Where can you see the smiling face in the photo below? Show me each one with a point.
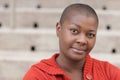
(77, 36)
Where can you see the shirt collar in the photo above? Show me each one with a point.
(50, 66)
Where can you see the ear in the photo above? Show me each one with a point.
(58, 29)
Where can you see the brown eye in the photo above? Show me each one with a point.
(91, 35)
(74, 31)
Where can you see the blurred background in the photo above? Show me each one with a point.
(27, 33)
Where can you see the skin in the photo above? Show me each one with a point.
(77, 36)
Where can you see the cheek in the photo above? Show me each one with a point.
(67, 39)
(91, 43)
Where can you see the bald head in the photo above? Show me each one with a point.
(81, 9)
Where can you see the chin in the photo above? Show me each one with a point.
(77, 57)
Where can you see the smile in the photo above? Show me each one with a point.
(78, 51)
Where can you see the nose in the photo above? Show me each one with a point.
(81, 39)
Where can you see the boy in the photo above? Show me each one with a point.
(76, 31)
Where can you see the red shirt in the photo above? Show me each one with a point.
(93, 70)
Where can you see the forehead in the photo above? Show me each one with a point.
(81, 20)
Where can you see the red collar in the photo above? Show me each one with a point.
(51, 67)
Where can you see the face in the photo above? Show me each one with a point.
(77, 36)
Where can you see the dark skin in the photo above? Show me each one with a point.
(77, 36)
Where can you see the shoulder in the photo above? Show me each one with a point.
(103, 64)
(109, 69)
(34, 73)
(42, 70)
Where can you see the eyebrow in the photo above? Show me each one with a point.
(92, 30)
(76, 25)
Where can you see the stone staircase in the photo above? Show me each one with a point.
(27, 33)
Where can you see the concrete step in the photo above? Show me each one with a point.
(98, 4)
(27, 40)
(47, 18)
(5, 18)
(14, 64)
(44, 18)
(4, 4)
(107, 41)
(109, 20)
(46, 40)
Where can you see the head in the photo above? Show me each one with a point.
(77, 31)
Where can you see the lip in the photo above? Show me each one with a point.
(80, 51)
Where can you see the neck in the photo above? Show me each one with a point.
(69, 65)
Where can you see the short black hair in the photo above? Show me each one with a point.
(81, 9)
